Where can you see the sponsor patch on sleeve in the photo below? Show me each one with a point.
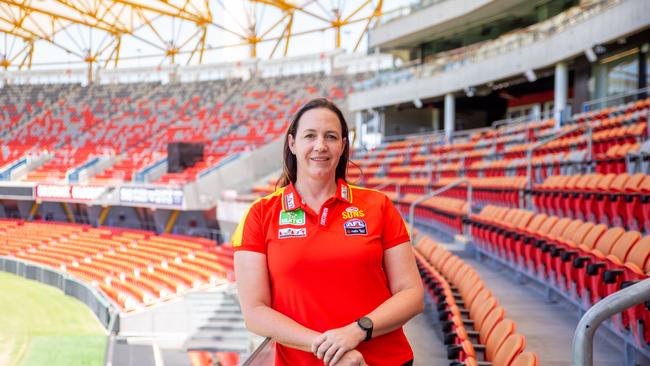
(355, 227)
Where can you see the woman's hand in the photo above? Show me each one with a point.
(350, 358)
(332, 345)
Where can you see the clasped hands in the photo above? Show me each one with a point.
(336, 347)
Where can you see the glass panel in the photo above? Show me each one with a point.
(623, 74)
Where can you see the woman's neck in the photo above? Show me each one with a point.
(314, 192)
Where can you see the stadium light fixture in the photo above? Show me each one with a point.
(591, 55)
(530, 76)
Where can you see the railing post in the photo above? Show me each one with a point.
(529, 158)
(590, 145)
(583, 340)
(435, 193)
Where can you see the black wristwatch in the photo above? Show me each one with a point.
(366, 324)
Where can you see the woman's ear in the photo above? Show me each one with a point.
(292, 144)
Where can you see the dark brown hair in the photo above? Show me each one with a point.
(290, 170)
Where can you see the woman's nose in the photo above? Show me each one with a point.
(320, 145)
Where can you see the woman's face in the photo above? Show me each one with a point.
(318, 144)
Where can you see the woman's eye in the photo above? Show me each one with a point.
(309, 135)
(332, 137)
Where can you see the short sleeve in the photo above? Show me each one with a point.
(394, 231)
(249, 235)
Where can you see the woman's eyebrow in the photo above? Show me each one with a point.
(314, 130)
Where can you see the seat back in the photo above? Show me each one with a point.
(640, 253)
(592, 184)
(570, 184)
(525, 359)
(499, 334)
(509, 349)
(483, 310)
(536, 222)
(624, 245)
(571, 229)
(548, 224)
(559, 227)
(496, 315)
(524, 219)
(605, 182)
(618, 184)
(593, 235)
(632, 184)
(606, 242)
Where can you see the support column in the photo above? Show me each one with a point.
(643, 64)
(450, 115)
(600, 74)
(561, 91)
(358, 122)
(381, 119)
(435, 119)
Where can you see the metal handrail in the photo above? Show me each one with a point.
(435, 193)
(586, 106)
(583, 339)
(253, 358)
(529, 153)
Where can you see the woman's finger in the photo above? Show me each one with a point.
(320, 352)
(337, 356)
(330, 353)
(317, 342)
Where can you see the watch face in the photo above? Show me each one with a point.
(365, 323)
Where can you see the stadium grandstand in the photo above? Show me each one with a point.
(512, 136)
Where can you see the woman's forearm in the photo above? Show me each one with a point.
(397, 310)
(267, 322)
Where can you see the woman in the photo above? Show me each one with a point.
(325, 268)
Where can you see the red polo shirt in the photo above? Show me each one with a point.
(326, 268)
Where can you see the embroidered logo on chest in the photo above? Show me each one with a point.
(292, 233)
(355, 227)
(352, 213)
(296, 217)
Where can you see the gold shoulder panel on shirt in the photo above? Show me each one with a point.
(237, 234)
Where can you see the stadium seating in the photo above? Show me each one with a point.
(134, 122)
(473, 322)
(611, 199)
(134, 268)
(585, 261)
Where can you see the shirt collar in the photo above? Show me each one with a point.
(291, 200)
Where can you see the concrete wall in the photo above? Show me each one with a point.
(620, 20)
(122, 216)
(400, 122)
(433, 19)
(240, 174)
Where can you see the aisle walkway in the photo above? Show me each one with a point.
(425, 340)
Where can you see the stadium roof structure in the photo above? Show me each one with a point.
(108, 33)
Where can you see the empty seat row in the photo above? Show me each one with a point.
(583, 261)
(134, 268)
(611, 199)
(472, 320)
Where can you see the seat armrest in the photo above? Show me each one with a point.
(579, 262)
(594, 268)
(611, 275)
(568, 255)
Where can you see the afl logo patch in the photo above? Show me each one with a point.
(355, 227)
